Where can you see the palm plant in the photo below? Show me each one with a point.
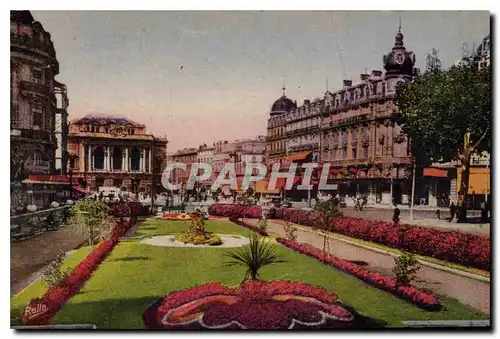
(254, 256)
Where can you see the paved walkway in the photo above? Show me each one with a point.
(468, 291)
(29, 256)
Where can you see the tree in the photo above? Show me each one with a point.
(326, 213)
(447, 116)
(92, 219)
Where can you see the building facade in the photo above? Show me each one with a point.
(186, 156)
(34, 104)
(356, 129)
(116, 152)
(205, 155)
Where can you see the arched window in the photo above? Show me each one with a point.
(117, 158)
(37, 110)
(99, 158)
(135, 158)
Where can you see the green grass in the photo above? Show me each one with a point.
(157, 227)
(136, 275)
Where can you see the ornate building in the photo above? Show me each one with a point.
(34, 104)
(362, 137)
(116, 152)
(186, 156)
(357, 130)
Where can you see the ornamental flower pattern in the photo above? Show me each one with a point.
(252, 305)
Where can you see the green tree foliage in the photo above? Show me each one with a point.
(405, 268)
(254, 256)
(91, 218)
(440, 107)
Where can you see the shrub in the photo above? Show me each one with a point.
(263, 225)
(210, 239)
(254, 256)
(197, 234)
(290, 231)
(405, 268)
(54, 274)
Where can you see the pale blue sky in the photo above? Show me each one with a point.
(125, 63)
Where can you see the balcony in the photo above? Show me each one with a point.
(29, 86)
(307, 147)
(302, 131)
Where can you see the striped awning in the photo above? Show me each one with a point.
(435, 173)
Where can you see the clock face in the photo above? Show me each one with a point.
(399, 57)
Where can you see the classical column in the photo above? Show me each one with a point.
(81, 167)
(150, 162)
(127, 168)
(123, 160)
(106, 160)
(90, 158)
(141, 161)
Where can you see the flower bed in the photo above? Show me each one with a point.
(176, 216)
(54, 299)
(236, 211)
(412, 294)
(463, 248)
(252, 305)
(250, 227)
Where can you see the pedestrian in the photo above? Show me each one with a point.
(395, 217)
(452, 210)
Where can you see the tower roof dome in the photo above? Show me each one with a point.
(283, 105)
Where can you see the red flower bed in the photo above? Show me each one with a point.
(252, 305)
(235, 211)
(412, 294)
(250, 227)
(463, 248)
(455, 246)
(58, 295)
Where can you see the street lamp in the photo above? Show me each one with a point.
(413, 189)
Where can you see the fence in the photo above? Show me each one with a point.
(30, 224)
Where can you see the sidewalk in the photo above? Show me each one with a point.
(435, 223)
(469, 291)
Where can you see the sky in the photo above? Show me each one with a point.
(202, 76)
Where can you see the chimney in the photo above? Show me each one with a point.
(347, 83)
(364, 76)
(376, 73)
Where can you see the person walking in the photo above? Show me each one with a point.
(453, 209)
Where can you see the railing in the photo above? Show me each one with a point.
(30, 224)
(305, 130)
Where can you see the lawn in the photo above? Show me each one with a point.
(135, 275)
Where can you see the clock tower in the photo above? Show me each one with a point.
(399, 62)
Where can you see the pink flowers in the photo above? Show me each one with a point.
(412, 294)
(252, 305)
(235, 211)
(57, 296)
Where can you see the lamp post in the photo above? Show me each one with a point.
(413, 190)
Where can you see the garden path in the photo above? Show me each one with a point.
(469, 291)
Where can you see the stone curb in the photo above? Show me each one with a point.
(423, 262)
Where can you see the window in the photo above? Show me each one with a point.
(107, 129)
(354, 153)
(354, 137)
(365, 152)
(87, 128)
(37, 111)
(92, 129)
(36, 75)
(344, 154)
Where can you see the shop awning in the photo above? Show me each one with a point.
(261, 187)
(298, 156)
(435, 173)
